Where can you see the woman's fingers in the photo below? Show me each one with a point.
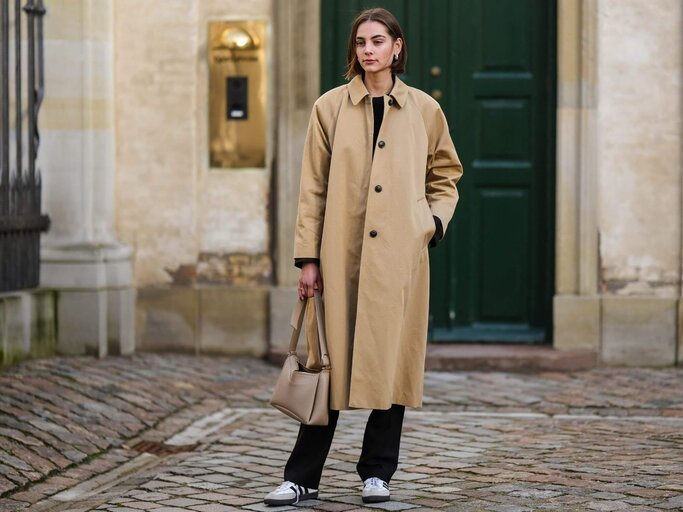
(309, 281)
(305, 290)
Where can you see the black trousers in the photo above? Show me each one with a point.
(379, 456)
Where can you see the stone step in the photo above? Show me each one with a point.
(506, 357)
(491, 357)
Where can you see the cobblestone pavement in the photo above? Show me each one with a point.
(604, 439)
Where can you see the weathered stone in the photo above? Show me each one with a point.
(639, 331)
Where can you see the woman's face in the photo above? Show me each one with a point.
(375, 49)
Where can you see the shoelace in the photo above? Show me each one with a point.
(373, 481)
(287, 486)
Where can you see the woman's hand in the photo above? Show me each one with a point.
(309, 280)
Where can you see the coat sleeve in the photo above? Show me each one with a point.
(443, 171)
(315, 167)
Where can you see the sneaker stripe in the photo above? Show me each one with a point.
(297, 493)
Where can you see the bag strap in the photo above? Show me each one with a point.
(297, 320)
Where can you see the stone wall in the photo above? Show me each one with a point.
(639, 159)
(619, 180)
(639, 151)
(201, 237)
(82, 258)
(28, 327)
(186, 223)
(124, 149)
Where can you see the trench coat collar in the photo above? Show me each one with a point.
(358, 91)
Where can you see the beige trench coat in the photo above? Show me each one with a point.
(370, 221)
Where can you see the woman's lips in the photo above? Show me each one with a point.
(369, 61)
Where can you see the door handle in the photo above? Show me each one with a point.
(435, 71)
(437, 94)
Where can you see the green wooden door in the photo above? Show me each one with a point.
(491, 63)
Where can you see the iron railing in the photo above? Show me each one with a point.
(20, 189)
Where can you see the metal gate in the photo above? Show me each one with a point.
(20, 185)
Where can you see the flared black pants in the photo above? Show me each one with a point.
(379, 456)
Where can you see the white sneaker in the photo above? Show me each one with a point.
(375, 490)
(289, 493)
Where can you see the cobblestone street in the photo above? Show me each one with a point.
(603, 439)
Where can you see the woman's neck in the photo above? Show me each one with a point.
(378, 84)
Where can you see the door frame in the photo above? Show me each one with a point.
(576, 233)
(575, 221)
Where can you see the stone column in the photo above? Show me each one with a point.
(618, 273)
(576, 305)
(81, 256)
(297, 54)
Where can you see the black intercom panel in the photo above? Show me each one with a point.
(237, 100)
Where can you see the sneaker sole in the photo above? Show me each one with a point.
(375, 499)
(291, 501)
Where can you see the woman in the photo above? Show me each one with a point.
(378, 187)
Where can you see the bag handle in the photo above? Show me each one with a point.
(297, 320)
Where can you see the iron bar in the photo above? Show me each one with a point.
(20, 219)
(40, 11)
(4, 120)
(30, 9)
(17, 83)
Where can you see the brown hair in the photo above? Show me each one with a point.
(391, 23)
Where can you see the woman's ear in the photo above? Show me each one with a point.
(398, 46)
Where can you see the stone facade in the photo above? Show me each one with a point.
(201, 237)
(209, 251)
(176, 212)
(82, 258)
(619, 180)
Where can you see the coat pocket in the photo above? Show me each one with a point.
(428, 219)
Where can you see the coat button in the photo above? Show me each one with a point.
(373, 233)
(378, 188)
(381, 144)
(391, 101)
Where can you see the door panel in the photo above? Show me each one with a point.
(491, 62)
(503, 294)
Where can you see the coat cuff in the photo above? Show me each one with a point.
(299, 262)
(438, 234)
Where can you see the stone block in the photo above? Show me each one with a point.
(679, 352)
(28, 325)
(167, 319)
(82, 325)
(638, 331)
(121, 321)
(43, 318)
(576, 322)
(13, 328)
(234, 320)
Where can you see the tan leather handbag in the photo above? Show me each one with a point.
(300, 392)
